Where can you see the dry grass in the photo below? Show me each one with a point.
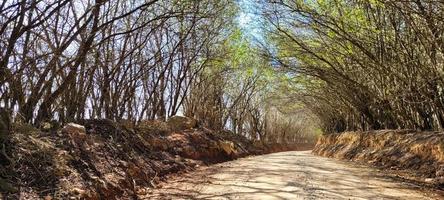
(110, 161)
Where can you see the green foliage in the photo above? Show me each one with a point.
(362, 64)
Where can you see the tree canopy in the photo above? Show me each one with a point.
(363, 65)
(349, 65)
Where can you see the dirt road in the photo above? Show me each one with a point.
(287, 175)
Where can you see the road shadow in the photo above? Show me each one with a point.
(289, 175)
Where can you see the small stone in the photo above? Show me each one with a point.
(78, 191)
(71, 127)
(228, 147)
(429, 180)
(179, 123)
(75, 131)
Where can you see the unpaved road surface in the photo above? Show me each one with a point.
(287, 175)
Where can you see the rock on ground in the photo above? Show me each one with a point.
(178, 123)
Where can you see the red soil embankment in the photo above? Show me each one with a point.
(416, 155)
(102, 159)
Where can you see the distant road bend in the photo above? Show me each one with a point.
(287, 175)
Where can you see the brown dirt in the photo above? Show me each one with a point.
(411, 155)
(288, 175)
(111, 160)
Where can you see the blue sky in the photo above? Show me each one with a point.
(250, 21)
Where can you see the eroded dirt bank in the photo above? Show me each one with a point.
(288, 175)
(102, 159)
(416, 156)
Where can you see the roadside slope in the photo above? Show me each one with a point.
(417, 156)
(102, 159)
